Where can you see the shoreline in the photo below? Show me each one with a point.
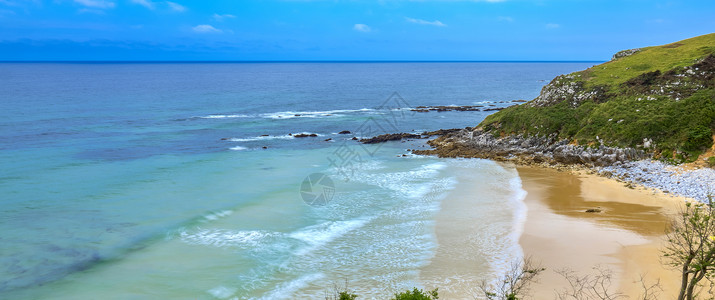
(625, 237)
(627, 165)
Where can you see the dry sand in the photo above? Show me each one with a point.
(625, 237)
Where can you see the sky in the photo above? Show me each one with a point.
(330, 30)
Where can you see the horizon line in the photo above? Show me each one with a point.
(300, 61)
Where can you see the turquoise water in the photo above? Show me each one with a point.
(151, 181)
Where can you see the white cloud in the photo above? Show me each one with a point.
(552, 26)
(176, 6)
(220, 18)
(145, 3)
(90, 11)
(362, 28)
(424, 22)
(205, 28)
(96, 3)
(505, 19)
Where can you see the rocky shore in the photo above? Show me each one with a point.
(527, 150)
(677, 180)
(631, 166)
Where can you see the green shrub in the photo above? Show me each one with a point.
(711, 161)
(346, 296)
(698, 138)
(417, 294)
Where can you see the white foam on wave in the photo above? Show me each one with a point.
(270, 137)
(319, 235)
(222, 292)
(225, 238)
(520, 211)
(312, 114)
(508, 251)
(237, 148)
(288, 289)
(218, 215)
(292, 114)
(408, 183)
(261, 138)
(224, 116)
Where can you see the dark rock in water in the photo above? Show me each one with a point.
(519, 101)
(264, 147)
(328, 139)
(494, 108)
(441, 131)
(264, 135)
(441, 108)
(302, 135)
(296, 115)
(354, 139)
(390, 137)
(290, 134)
(593, 210)
(344, 132)
(224, 139)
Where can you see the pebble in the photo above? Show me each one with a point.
(697, 184)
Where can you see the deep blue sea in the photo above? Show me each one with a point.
(184, 180)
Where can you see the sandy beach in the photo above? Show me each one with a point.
(624, 237)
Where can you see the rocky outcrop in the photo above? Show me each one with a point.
(390, 137)
(399, 136)
(443, 131)
(568, 88)
(624, 53)
(441, 108)
(521, 149)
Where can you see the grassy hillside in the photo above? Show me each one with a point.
(660, 99)
(649, 59)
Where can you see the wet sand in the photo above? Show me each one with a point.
(625, 237)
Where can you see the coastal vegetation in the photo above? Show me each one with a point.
(690, 247)
(657, 99)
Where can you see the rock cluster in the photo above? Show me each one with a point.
(390, 137)
(624, 53)
(399, 136)
(531, 149)
(566, 88)
(442, 108)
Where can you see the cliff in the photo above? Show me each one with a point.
(654, 102)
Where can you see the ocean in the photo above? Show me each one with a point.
(187, 180)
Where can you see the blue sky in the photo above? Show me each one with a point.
(343, 30)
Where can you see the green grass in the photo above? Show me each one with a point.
(663, 58)
(629, 112)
